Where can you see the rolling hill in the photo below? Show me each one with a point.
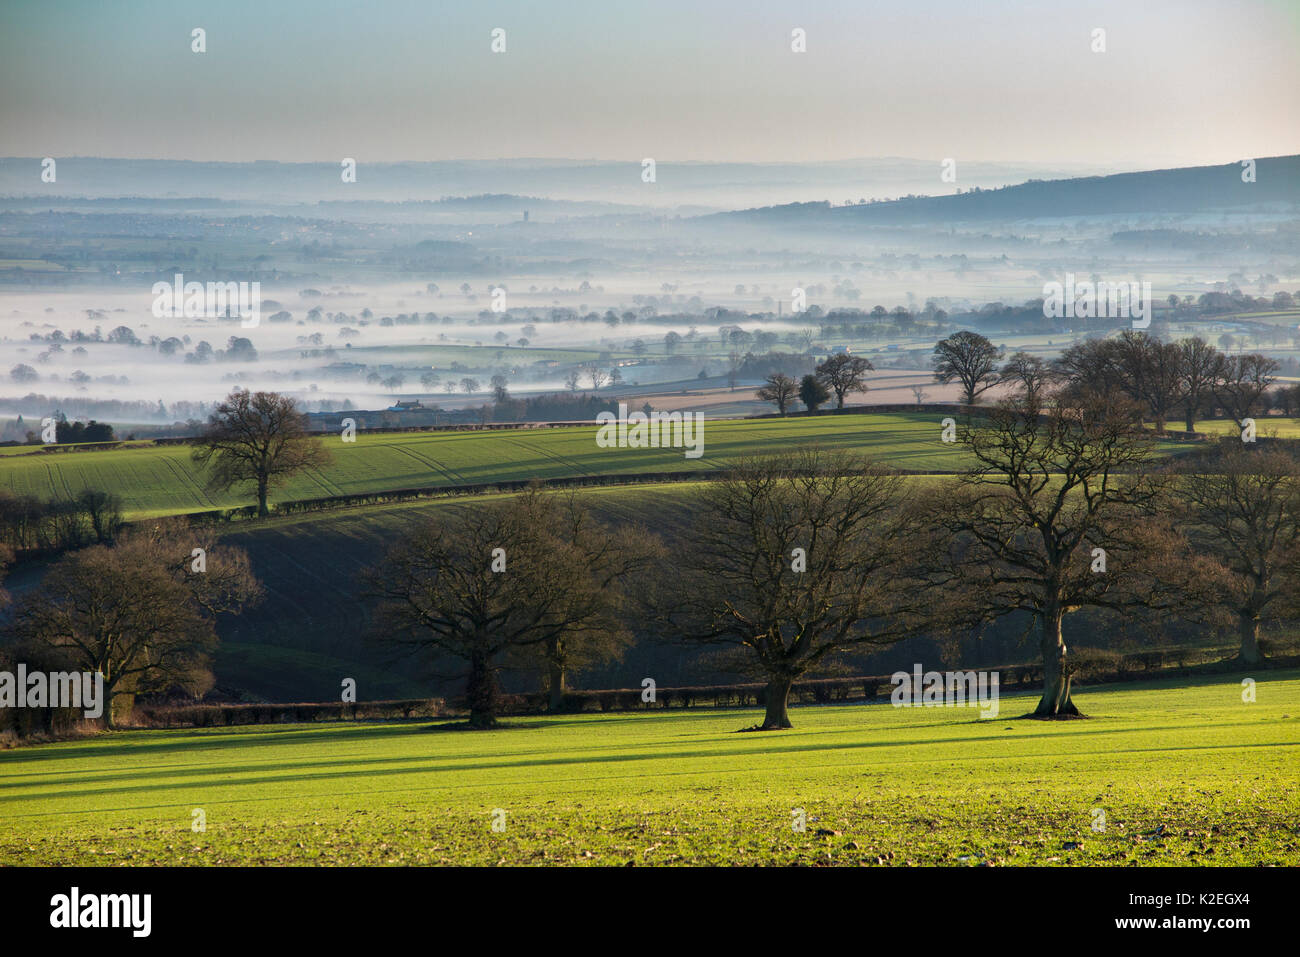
(163, 480)
(1187, 190)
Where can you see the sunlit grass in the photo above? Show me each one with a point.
(163, 480)
(1183, 775)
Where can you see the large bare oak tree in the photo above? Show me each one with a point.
(138, 612)
(531, 579)
(257, 437)
(1243, 512)
(796, 559)
(1059, 512)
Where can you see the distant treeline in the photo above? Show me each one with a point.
(555, 406)
(65, 432)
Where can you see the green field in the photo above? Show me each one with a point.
(1266, 425)
(1183, 775)
(163, 480)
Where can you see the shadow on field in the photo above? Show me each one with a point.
(499, 726)
(345, 768)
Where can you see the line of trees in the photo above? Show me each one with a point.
(1164, 380)
(794, 561)
(28, 524)
(799, 559)
(840, 375)
(1189, 378)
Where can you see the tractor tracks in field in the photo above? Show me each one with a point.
(455, 477)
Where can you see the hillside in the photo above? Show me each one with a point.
(1187, 190)
(311, 631)
(163, 480)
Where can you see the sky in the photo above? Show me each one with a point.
(1184, 83)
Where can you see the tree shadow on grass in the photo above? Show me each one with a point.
(498, 726)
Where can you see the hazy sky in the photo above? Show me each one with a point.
(1181, 83)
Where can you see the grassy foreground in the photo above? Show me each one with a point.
(1183, 774)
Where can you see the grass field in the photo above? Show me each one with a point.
(1183, 775)
(1265, 425)
(163, 480)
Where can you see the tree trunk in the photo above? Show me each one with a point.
(262, 510)
(1191, 420)
(481, 691)
(1248, 627)
(777, 699)
(557, 687)
(1056, 701)
(120, 705)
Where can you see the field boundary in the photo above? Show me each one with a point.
(1025, 677)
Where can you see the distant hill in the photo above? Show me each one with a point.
(1188, 190)
(706, 186)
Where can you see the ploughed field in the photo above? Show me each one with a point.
(1166, 773)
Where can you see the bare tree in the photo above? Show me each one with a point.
(1199, 367)
(970, 359)
(843, 374)
(1151, 373)
(1088, 367)
(571, 379)
(1244, 514)
(257, 437)
(1241, 381)
(612, 558)
(797, 559)
(1031, 375)
(1047, 490)
(139, 613)
(734, 362)
(502, 584)
(780, 389)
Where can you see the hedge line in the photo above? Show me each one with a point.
(1092, 667)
